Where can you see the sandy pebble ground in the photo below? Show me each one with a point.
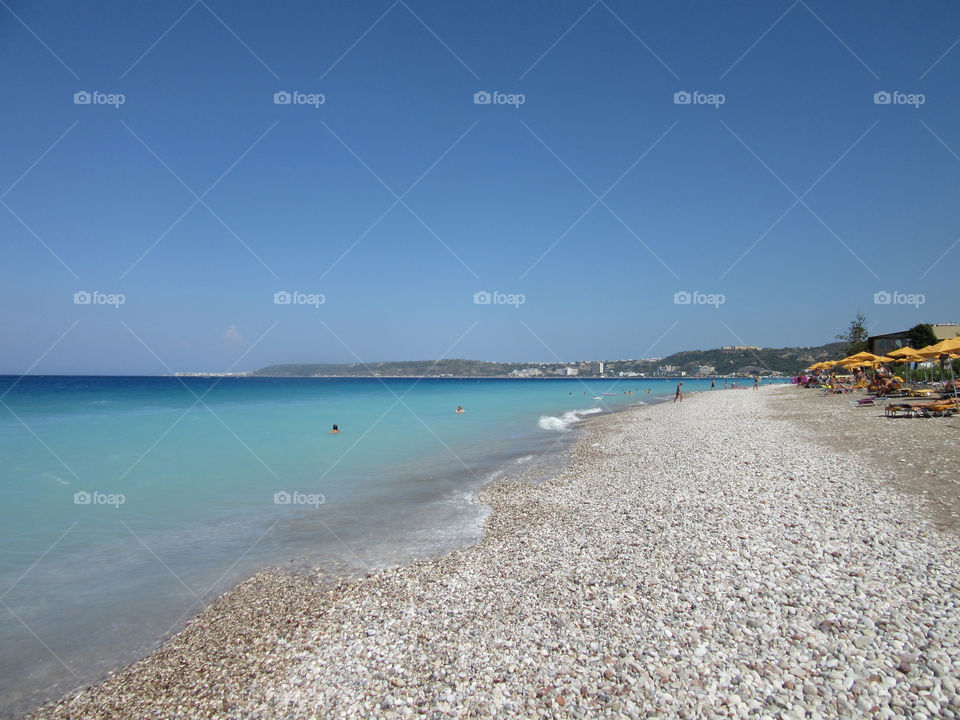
(741, 554)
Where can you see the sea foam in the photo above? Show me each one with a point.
(563, 422)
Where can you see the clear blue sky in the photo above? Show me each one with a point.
(302, 198)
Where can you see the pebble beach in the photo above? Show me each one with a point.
(739, 554)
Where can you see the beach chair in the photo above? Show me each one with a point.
(895, 410)
(936, 408)
(837, 389)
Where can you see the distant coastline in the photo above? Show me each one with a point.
(731, 361)
(450, 377)
(727, 362)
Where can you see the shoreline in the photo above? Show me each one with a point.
(554, 577)
(549, 456)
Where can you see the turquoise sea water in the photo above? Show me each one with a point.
(127, 504)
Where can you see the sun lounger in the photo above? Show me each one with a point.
(937, 408)
(837, 389)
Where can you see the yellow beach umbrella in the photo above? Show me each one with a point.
(906, 355)
(861, 357)
(944, 347)
(950, 348)
(912, 356)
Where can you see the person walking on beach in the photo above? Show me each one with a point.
(679, 395)
(756, 381)
(713, 384)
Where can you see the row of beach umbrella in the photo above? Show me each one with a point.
(949, 348)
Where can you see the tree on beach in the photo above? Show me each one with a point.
(922, 335)
(856, 335)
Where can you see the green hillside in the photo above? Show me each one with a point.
(765, 361)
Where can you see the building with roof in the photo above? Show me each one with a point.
(882, 344)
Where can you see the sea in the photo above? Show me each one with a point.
(128, 504)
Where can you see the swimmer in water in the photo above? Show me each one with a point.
(335, 429)
(460, 409)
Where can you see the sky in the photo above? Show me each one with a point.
(214, 186)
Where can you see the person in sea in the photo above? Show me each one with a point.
(460, 409)
(336, 429)
(713, 384)
(679, 395)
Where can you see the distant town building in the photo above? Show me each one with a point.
(572, 371)
(528, 372)
(590, 368)
(706, 370)
(741, 347)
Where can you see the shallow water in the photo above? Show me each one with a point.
(127, 504)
